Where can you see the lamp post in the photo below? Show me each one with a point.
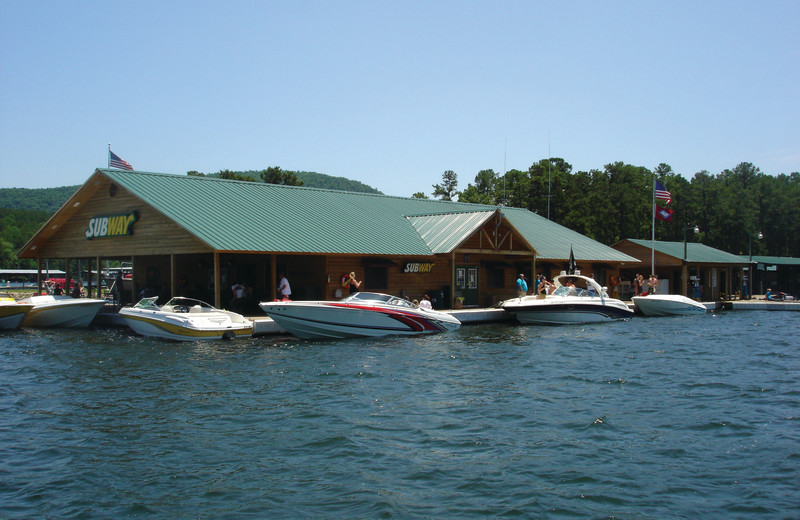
(750, 270)
(685, 269)
(686, 228)
(750, 243)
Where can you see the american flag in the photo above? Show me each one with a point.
(115, 161)
(662, 193)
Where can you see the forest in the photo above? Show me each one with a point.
(732, 209)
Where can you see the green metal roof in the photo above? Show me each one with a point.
(443, 233)
(233, 215)
(699, 253)
(773, 260)
(553, 241)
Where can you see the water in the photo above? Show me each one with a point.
(694, 417)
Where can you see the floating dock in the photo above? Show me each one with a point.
(263, 325)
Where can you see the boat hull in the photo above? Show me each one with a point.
(667, 305)
(184, 327)
(567, 312)
(61, 311)
(12, 315)
(338, 320)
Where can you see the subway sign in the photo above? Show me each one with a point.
(112, 226)
(417, 267)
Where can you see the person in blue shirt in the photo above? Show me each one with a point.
(522, 286)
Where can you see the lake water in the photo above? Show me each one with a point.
(695, 417)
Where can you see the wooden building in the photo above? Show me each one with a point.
(198, 236)
(689, 269)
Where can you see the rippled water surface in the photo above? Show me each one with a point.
(695, 417)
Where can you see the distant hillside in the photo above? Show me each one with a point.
(36, 199)
(320, 180)
(50, 199)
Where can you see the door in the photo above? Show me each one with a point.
(467, 284)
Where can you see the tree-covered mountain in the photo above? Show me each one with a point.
(36, 199)
(24, 210)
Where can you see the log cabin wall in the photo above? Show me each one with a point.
(152, 233)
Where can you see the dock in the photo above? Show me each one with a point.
(264, 325)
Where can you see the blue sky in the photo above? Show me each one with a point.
(394, 93)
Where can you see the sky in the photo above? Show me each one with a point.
(393, 94)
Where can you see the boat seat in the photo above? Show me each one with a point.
(196, 308)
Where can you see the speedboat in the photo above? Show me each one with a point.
(12, 312)
(61, 311)
(363, 314)
(185, 319)
(569, 303)
(667, 305)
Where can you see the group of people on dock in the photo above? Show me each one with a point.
(642, 287)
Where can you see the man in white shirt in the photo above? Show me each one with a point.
(284, 289)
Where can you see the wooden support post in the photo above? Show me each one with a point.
(38, 275)
(273, 275)
(452, 279)
(217, 293)
(172, 275)
(133, 280)
(99, 279)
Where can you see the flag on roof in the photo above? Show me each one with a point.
(662, 193)
(115, 161)
(663, 213)
(572, 265)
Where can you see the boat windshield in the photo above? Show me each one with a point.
(367, 297)
(182, 302)
(565, 290)
(377, 297)
(148, 303)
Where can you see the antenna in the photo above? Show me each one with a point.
(548, 175)
(505, 152)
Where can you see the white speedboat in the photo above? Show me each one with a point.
(362, 314)
(569, 303)
(185, 319)
(667, 305)
(61, 311)
(12, 312)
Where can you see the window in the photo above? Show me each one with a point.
(495, 278)
(376, 278)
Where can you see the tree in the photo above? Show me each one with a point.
(484, 191)
(230, 175)
(419, 195)
(550, 179)
(515, 186)
(447, 189)
(631, 196)
(274, 175)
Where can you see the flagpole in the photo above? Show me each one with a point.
(653, 232)
(108, 156)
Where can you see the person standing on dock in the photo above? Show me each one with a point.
(653, 283)
(522, 286)
(355, 285)
(284, 288)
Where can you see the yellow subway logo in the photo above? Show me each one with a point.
(112, 226)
